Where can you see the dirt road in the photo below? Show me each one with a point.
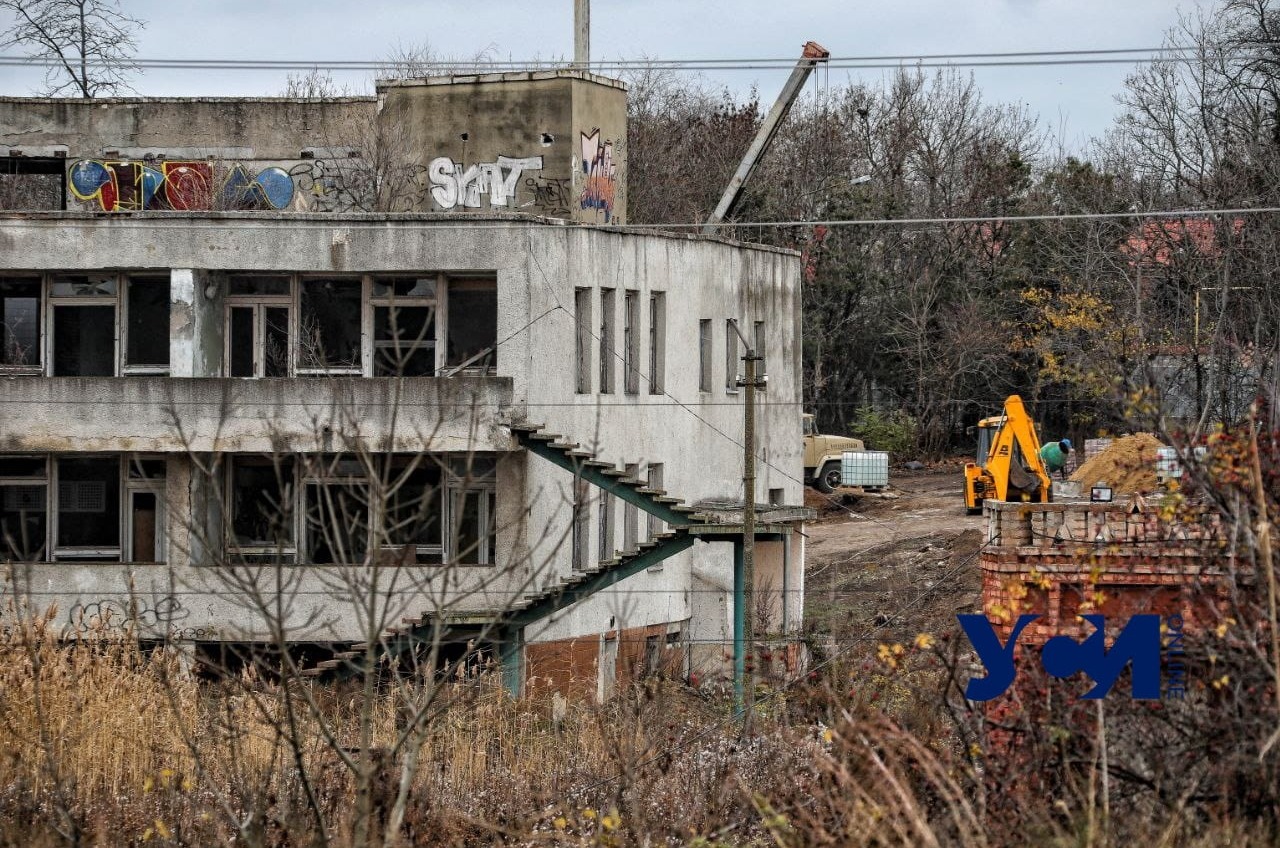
(906, 564)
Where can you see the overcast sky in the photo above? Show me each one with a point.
(1077, 100)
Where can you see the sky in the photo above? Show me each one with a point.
(1075, 102)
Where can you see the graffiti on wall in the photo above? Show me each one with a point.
(550, 196)
(601, 174)
(453, 185)
(131, 186)
(134, 615)
(311, 185)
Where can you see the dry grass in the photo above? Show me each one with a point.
(107, 745)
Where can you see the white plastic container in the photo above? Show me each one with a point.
(868, 469)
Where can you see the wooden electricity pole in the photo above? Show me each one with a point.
(582, 34)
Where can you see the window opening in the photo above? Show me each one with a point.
(404, 327)
(582, 339)
(260, 493)
(607, 308)
(631, 517)
(471, 512)
(657, 342)
(147, 325)
(472, 335)
(731, 356)
(88, 510)
(631, 342)
(704, 355)
(19, 324)
(24, 510)
(329, 325)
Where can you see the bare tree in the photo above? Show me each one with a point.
(90, 43)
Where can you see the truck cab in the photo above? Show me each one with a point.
(822, 455)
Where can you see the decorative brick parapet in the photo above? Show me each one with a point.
(1063, 560)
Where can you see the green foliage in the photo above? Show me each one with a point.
(895, 431)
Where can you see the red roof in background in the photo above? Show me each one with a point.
(1157, 240)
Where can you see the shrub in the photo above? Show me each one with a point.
(893, 431)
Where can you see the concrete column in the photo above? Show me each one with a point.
(196, 323)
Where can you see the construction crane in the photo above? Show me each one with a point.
(1008, 465)
(809, 59)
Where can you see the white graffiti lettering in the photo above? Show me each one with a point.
(453, 186)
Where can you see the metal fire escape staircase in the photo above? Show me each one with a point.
(686, 524)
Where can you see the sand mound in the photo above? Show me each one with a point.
(1128, 465)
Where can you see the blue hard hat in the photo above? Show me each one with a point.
(1066, 443)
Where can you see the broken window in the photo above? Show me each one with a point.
(473, 325)
(471, 512)
(258, 308)
(20, 324)
(147, 324)
(414, 511)
(336, 507)
(84, 325)
(260, 494)
(24, 510)
(88, 509)
(404, 327)
(329, 325)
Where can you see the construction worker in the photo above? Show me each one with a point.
(1054, 457)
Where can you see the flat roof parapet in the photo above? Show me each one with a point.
(477, 78)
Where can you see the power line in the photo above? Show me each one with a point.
(246, 220)
(882, 61)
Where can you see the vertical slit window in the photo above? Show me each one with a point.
(582, 340)
(604, 526)
(581, 523)
(631, 342)
(657, 342)
(631, 518)
(607, 307)
(759, 343)
(655, 482)
(704, 355)
(731, 356)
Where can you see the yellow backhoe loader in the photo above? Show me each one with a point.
(1008, 463)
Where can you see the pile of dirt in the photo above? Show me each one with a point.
(1127, 465)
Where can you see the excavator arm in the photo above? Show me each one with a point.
(1013, 469)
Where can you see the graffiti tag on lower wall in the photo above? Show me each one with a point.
(601, 174)
(138, 616)
(311, 185)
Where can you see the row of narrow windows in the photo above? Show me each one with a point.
(321, 508)
(274, 325)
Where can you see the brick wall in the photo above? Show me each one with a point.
(1065, 559)
(571, 667)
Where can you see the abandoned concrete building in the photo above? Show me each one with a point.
(362, 369)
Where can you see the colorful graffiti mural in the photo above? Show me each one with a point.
(130, 186)
(311, 185)
(601, 174)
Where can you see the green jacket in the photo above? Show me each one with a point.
(1053, 457)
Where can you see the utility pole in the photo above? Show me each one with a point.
(582, 34)
(750, 383)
